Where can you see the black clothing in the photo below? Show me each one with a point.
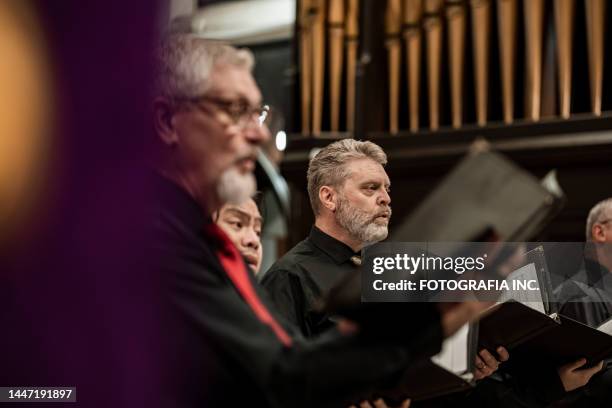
(587, 296)
(301, 278)
(222, 355)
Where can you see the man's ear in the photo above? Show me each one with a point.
(162, 120)
(327, 196)
(598, 234)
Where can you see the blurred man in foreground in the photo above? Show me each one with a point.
(226, 346)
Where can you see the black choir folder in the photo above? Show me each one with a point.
(529, 326)
(554, 339)
(485, 194)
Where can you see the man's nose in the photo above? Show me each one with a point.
(384, 198)
(251, 239)
(257, 134)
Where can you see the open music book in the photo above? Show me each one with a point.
(528, 324)
(457, 354)
(606, 327)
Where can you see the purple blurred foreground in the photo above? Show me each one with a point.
(77, 306)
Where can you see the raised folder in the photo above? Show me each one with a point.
(485, 192)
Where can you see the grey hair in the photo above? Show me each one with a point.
(329, 166)
(598, 214)
(185, 62)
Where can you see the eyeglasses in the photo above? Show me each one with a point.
(240, 112)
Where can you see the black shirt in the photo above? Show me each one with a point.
(587, 296)
(301, 278)
(220, 354)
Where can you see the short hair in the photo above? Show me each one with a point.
(184, 63)
(328, 166)
(597, 214)
(258, 199)
(260, 202)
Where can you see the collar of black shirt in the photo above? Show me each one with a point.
(337, 250)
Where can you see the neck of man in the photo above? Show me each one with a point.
(330, 227)
(207, 203)
(604, 255)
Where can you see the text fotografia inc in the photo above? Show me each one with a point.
(454, 285)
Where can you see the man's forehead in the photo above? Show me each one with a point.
(361, 170)
(234, 82)
(248, 209)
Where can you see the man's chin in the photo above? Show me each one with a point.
(236, 187)
(378, 234)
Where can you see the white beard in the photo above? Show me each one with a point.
(359, 224)
(234, 187)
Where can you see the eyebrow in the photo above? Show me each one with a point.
(375, 182)
(234, 96)
(242, 214)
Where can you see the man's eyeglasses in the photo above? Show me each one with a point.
(240, 112)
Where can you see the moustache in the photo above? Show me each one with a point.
(250, 154)
(384, 213)
(250, 257)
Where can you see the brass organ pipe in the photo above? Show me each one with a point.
(336, 54)
(595, 11)
(534, 13)
(481, 11)
(433, 32)
(392, 28)
(455, 17)
(305, 23)
(318, 77)
(564, 16)
(412, 11)
(506, 20)
(352, 33)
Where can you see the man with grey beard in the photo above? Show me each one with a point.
(349, 194)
